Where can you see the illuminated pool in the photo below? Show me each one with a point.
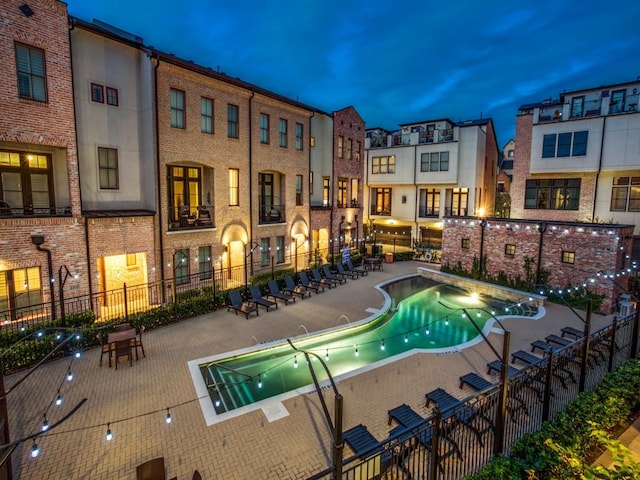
(423, 316)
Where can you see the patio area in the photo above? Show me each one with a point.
(133, 401)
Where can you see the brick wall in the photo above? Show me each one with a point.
(597, 248)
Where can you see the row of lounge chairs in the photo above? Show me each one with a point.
(288, 293)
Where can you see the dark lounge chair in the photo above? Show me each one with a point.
(329, 275)
(277, 294)
(558, 340)
(317, 279)
(572, 332)
(496, 366)
(544, 347)
(309, 284)
(353, 269)
(525, 357)
(236, 303)
(291, 287)
(344, 273)
(475, 381)
(366, 446)
(258, 299)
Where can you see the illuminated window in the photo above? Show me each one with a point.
(509, 250)
(568, 257)
(625, 194)
(465, 243)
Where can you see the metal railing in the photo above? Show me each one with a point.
(444, 447)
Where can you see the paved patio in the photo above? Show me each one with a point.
(134, 400)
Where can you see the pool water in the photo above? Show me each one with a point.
(422, 316)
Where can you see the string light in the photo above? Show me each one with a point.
(357, 351)
(295, 362)
(168, 417)
(427, 332)
(77, 353)
(326, 356)
(382, 345)
(109, 435)
(45, 424)
(446, 321)
(35, 451)
(69, 375)
(58, 399)
(406, 338)
(259, 381)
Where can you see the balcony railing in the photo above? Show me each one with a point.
(426, 137)
(7, 210)
(424, 211)
(455, 212)
(271, 214)
(378, 142)
(186, 217)
(386, 211)
(630, 104)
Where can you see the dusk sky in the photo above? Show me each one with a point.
(396, 62)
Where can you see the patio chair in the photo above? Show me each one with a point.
(136, 343)
(317, 279)
(259, 300)
(277, 294)
(344, 273)
(291, 287)
(236, 303)
(151, 470)
(105, 347)
(329, 275)
(122, 348)
(310, 284)
(353, 269)
(462, 413)
(366, 446)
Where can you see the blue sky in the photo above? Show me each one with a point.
(401, 61)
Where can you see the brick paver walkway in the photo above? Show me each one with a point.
(246, 447)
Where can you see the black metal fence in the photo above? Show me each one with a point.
(449, 446)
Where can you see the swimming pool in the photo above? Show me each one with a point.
(421, 316)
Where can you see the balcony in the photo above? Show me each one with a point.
(455, 212)
(186, 217)
(427, 137)
(378, 142)
(7, 210)
(271, 214)
(383, 211)
(427, 212)
(629, 104)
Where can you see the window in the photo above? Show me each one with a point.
(206, 115)
(553, 194)
(465, 243)
(342, 192)
(112, 96)
(509, 250)
(381, 198)
(383, 164)
(234, 187)
(232, 121)
(625, 194)
(20, 288)
(349, 149)
(299, 190)
(177, 108)
(204, 262)
(358, 148)
(577, 107)
(565, 144)
(264, 128)
(283, 130)
(26, 182)
(279, 249)
(616, 104)
(181, 267)
(429, 202)
(355, 189)
(131, 260)
(434, 162)
(311, 182)
(326, 191)
(30, 64)
(108, 168)
(510, 153)
(299, 135)
(340, 146)
(264, 251)
(568, 257)
(97, 93)
(501, 187)
(185, 185)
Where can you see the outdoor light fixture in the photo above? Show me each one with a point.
(109, 435)
(69, 375)
(35, 451)
(58, 399)
(168, 417)
(259, 381)
(45, 424)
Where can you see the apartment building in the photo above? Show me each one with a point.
(425, 171)
(578, 157)
(336, 182)
(112, 78)
(41, 228)
(233, 161)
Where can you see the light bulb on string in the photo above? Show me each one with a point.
(78, 354)
(326, 356)
(406, 338)
(69, 375)
(259, 381)
(427, 332)
(168, 417)
(382, 345)
(446, 321)
(295, 362)
(109, 434)
(357, 351)
(45, 424)
(35, 451)
(58, 399)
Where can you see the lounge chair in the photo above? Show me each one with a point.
(496, 366)
(558, 340)
(524, 357)
(558, 371)
(259, 300)
(572, 332)
(309, 284)
(277, 294)
(544, 347)
(534, 384)
(236, 303)
(291, 287)
(366, 446)
(464, 414)
(329, 275)
(344, 273)
(362, 442)
(317, 279)
(353, 269)
(475, 381)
